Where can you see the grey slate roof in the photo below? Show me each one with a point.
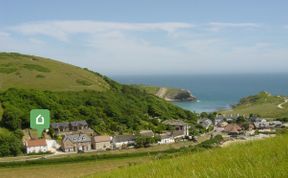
(123, 138)
(147, 133)
(58, 125)
(166, 135)
(205, 122)
(174, 122)
(77, 138)
(78, 123)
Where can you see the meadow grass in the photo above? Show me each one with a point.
(257, 159)
(25, 71)
(265, 106)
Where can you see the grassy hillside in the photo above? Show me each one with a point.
(258, 159)
(72, 93)
(32, 72)
(263, 104)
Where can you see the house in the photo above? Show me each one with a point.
(76, 142)
(146, 133)
(178, 126)
(166, 138)
(205, 123)
(232, 129)
(60, 127)
(219, 119)
(275, 124)
(102, 142)
(261, 124)
(78, 125)
(74, 127)
(123, 141)
(222, 124)
(36, 146)
(52, 145)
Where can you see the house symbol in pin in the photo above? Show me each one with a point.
(40, 120)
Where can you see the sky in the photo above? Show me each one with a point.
(131, 37)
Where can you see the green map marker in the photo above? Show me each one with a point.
(39, 120)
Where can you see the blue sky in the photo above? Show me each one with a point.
(151, 37)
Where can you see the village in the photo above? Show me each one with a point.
(78, 137)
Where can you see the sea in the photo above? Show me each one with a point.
(214, 92)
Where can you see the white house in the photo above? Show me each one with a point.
(123, 141)
(36, 146)
(166, 138)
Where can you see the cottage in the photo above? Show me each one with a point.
(178, 125)
(261, 124)
(122, 141)
(36, 146)
(60, 127)
(146, 133)
(219, 119)
(78, 125)
(275, 124)
(232, 129)
(205, 123)
(74, 127)
(76, 142)
(166, 138)
(101, 143)
(222, 124)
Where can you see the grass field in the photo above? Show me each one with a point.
(258, 159)
(69, 169)
(262, 104)
(24, 71)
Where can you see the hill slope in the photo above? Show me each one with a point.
(106, 105)
(258, 159)
(263, 104)
(32, 72)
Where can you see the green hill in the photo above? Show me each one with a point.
(257, 159)
(72, 93)
(32, 72)
(263, 104)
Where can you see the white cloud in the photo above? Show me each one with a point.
(61, 29)
(217, 26)
(4, 34)
(109, 47)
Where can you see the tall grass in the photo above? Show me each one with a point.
(257, 159)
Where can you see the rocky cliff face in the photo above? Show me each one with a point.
(180, 95)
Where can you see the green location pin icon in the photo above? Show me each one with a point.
(39, 120)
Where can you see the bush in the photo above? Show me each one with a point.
(10, 145)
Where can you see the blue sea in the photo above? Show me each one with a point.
(214, 92)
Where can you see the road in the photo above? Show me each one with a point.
(281, 104)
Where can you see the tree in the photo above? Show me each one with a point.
(10, 145)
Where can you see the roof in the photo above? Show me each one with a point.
(261, 124)
(37, 142)
(177, 133)
(205, 122)
(101, 138)
(166, 135)
(147, 133)
(61, 124)
(78, 123)
(174, 122)
(232, 128)
(123, 138)
(77, 138)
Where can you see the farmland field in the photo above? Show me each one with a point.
(263, 158)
